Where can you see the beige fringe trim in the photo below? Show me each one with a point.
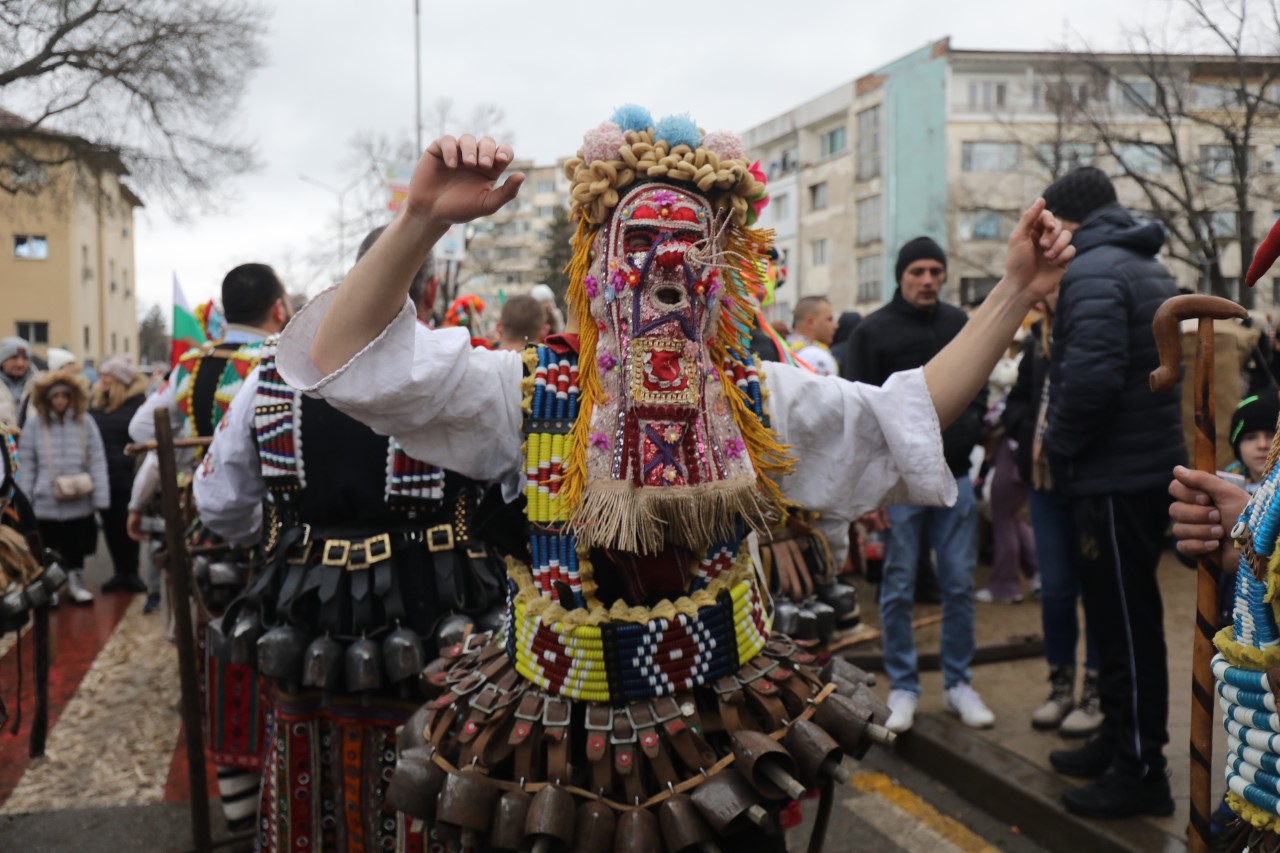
(647, 519)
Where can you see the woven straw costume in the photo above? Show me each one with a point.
(636, 698)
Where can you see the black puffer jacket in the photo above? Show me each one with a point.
(1107, 431)
(900, 336)
(114, 427)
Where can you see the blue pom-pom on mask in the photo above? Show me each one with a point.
(632, 117)
(678, 130)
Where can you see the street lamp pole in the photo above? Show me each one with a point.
(417, 75)
(342, 215)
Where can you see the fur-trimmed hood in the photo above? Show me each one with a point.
(45, 381)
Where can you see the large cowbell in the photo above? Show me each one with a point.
(403, 654)
(364, 665)
(322, 664)
(281, 651)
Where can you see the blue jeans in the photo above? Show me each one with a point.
(952, 534)
(1051, 521)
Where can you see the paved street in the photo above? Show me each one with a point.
(114, 777)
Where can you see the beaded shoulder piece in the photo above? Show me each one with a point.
(240, 360)
(277, 425)
(560, 635)
(1249, 651)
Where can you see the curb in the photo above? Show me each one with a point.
(1018, 792)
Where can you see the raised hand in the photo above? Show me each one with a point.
(455, 181)
(1039, 251)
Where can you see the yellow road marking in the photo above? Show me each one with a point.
(950, 830)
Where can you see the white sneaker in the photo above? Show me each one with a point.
(965, 703)
(76, 588)
(902, 704)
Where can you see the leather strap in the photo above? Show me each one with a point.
(599, 725)
(651, 743)
(625, 756)
(557, 714)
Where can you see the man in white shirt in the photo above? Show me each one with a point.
(813, 326)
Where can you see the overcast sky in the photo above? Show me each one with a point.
(556, 67)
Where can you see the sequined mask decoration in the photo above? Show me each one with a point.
(666, 463)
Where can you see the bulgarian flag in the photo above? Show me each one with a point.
(187, 331)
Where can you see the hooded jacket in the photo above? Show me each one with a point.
(899, 337)
(74, 446)
(1107, 432)
(113, 424)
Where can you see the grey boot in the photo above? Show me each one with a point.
(1086, 717)
(76, 588)
(1062, 680)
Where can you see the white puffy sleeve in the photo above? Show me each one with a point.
(856, 446)
(447, 403)
(228, 486)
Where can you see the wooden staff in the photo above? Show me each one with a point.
(179, 568)
(1169, 342)
(140, 447)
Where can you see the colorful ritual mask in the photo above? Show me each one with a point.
(666, 452)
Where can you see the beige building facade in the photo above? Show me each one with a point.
(504, 250)
(954, 144)
(67, 260)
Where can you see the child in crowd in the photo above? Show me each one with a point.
(1253, 426)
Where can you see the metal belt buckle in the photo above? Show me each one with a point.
(635, 735)
(377, 548)
(659, 717)
(608, 723)
(440, 538)
(306, 536)
(555, 702)
(359, 557)
(336, 552)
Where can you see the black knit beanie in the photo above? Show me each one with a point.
(919, 249)
(1078, 193)
(1258, 412)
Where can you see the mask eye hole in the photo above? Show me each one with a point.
(639, 241)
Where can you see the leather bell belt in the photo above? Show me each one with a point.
(343, 550)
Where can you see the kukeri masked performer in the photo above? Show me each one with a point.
(637, 680)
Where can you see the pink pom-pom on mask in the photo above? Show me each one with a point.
(726, 145)
(602, 143)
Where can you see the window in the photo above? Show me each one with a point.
(869, 144)
(111, 265)
(114, 343)
(30, 247)
(547, 186)
(126, 345)
(870, 220)
(1141, 158)
(1217, 96)
(818, 196)
(1140, 95)
(1275, 291)
(870, 279)
(34, 331)
(987, 95)
(818, 252)
(124, 235)
(1230, 286)
(974, 290)
(790, 161)
(988, 156)
(86, 339)
(124, 279)
(986, 224)
(1060, 158)
(1217, 162)
(546, 211)
(781, 204)
(86, 272)
(1224, 224)
(27, 173)
(832, 142)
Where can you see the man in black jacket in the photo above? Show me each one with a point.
(903, 335)
(1111, 445)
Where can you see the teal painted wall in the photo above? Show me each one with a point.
(914, 127)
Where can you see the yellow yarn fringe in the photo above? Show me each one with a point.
(1258, 818)
(573, 484)
(1245, 657)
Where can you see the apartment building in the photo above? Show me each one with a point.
(67, 261)
(503, 250)
(954, 144)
